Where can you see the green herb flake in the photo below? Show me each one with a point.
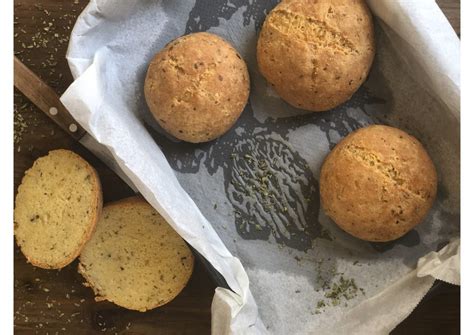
(344, 288)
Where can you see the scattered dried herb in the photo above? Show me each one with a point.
(344, 288)
(19, 125)
(257, 182)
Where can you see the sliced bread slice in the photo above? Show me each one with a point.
(135, 259)
(56, 209)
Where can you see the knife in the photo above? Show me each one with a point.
(44, 97)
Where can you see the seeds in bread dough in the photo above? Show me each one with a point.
(197, 87)
(316, 54)
(135, 259)
(56, 209)
(378, 183)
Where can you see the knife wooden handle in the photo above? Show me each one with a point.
(44, 97)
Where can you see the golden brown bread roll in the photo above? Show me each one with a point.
(316, 54)
(378, 183)
(197, 87)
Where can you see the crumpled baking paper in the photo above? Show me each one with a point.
(279, 263)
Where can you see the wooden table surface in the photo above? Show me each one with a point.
(55, 302)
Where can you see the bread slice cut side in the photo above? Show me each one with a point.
(56, 209)
(135, 259)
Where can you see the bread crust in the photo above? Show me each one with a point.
(95, 205)
(378, 183)
(197, 87)
(316, 54)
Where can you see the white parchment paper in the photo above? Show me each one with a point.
(279, 263)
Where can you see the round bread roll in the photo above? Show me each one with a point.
(378, 183)
(316, 54)
(56, 209)
(197, 87)
(135, 259)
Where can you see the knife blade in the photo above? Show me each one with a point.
(44, 97)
